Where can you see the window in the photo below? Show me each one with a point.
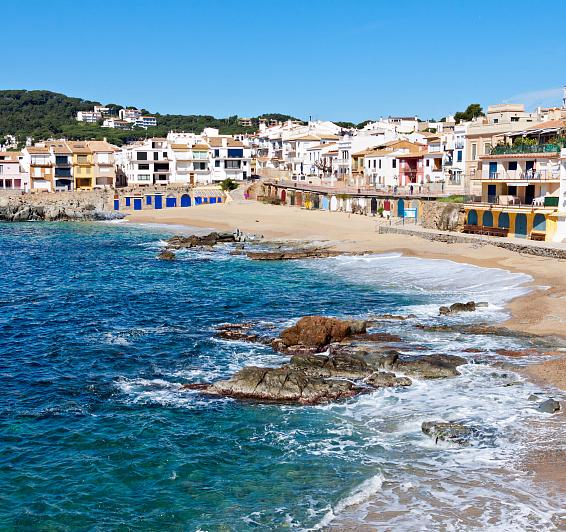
(143, 166)
(217, 164)
(142, 156)
(156, 156)
(232, 164)
(512, 165)
(144, 177)
(474, 152)
(428, 162)
(165, 155)
(216, 153)
(487, 148)
(495, 120)
(514, 119)
(235, 153)
(380, 164)
(1, 169)
(459, 156)
(82, 159)
(394, 163)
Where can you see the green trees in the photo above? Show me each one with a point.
(472, 111)
(227, 185)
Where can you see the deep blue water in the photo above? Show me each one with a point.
(96, 337)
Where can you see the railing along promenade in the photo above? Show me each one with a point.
(419, 191)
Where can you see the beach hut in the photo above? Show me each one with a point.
(325, 203)
(283, 195)
(138, 203)
(116, 204)
(170, 201)
(299, 199)
(212, 200)
(198, 200)
(128, 201)
(315, 201)
(158, 203)
(219, 199)
(333, 203)
(185, 200)
(148, 199)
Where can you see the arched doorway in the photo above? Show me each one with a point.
(521, 226)
(401, 208)
(185, 200)
(503, 221)
(283, 195)
(487, 219)
(299, 199)
(315, 201)
(292, 198)
(539, 223)
(170, 201)
(472, 217)
(333, 203)
(373, 206)
(325, 203)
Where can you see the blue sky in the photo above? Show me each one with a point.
(341, 60)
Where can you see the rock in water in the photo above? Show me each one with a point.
(448, 432)
(550, 406)
(319, 331)
(167, 254)
(470, 306)
(283, 385)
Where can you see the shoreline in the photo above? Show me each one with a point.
(541, 311)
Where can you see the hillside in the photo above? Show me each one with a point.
(43, 114)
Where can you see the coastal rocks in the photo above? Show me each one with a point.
(455, 308)
(550, 406)
(192, 241)
(238, 331)
(293, 254)
(318, 332)
(167, 254)
(449, 432)
(283, 385)
(430, 366)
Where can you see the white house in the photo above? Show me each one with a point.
(229, 158)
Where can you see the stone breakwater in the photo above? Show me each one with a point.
(63, 206)
(537, 249)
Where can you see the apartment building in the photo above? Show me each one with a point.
(104, 160)
(12, 175)
(190, 163)
(229, 158)
(147, 162)
(82, 165)
(62, 160)
(37, 162)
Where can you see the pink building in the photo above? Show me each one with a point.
(12, 176)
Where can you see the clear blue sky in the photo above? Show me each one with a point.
(341, 60)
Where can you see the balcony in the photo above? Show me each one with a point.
(521, 148)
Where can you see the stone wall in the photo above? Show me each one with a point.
(442, 215)
(530, 248)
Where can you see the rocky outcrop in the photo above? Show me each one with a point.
(449, 432)
(295, 254)
(167, 254)
(195, 241)
(455, 308)
(63, 206)
(443, 216)
(240, 332)
(316, 332)
(550, 406)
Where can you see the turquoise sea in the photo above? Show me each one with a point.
(97, 336)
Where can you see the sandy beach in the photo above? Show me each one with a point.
(542, 311)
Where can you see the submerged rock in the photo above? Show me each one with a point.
(449, 432)
(293, 254)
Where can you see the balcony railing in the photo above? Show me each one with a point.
(530, 175)
(522, 148)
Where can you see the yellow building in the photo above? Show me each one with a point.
(83, 165)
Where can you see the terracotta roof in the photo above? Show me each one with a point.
(37, 149)
(101, 146)
(58, 147)
(200, 147)
(79, 147)
(321, 146)
(307, 138)
(329, 136)
(548, 125)
(179, 147)
(12, 156)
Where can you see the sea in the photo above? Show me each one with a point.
(97, 337)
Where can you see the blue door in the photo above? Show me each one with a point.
(539, 223)
(137, 204)
(198, 200)
(492, 193)
(493, 170)
(116, 204)
(159, 202)
(401, 208)
(219, 200)
(212, 200)
(472, 217)
(487, 219)
(148, 200)
(325, 204)
(185, 200)
(171, 201)
(128, 202)
(503, 221)
(521, 226)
